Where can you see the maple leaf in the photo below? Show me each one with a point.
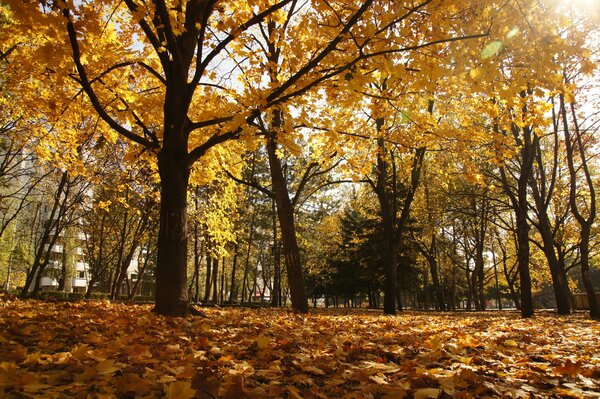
(568, 368)
(179, 390)
(132, 383)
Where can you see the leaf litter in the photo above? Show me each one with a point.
(103, 350)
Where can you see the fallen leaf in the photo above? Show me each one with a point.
(425, 393)
(179, 390)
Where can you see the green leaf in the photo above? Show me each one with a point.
(491, 49)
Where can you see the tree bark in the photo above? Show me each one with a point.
(38, 266)
(171, 268)
(233, 288)
(285, 213)
(207, 281)
(585, 223)
(524, 138)
(215, 280)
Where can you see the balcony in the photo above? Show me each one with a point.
(48, 282)
(81, 266)
(79, 283)
(55, 248)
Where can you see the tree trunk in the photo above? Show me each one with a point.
(233, 288)
(276, 294)
(141, 271)
(36, 268)
(222, 288)
(207, 281)
(520, 207)
(247, 261)
(542, 191)
(584, 248)
(523, 249)
(215, 280)
(171, 268)
(390, 256)
(559, 282)
(285, 213)
(439, 292)
(585, 223)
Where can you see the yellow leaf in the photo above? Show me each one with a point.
(262, 341)
(427, 393)
(179, 390)
(313, 370)
(393, 392)
(107, 367)
(435, 343)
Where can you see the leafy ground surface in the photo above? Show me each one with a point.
(104, 350)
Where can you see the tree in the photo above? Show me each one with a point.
(178, 46)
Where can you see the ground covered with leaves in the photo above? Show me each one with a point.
(105, 350)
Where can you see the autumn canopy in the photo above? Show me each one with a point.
(454, 138)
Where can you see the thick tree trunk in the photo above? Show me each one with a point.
(285, 213)
(387, 214)
(171, 267)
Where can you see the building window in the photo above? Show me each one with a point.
(81, 274)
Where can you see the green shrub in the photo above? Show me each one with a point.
(58, 295)
(99, 295)
(143, 298)
(75, 296)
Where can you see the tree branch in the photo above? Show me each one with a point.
(253, 184)
(87, 87)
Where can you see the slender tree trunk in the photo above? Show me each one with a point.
(222, 290)
(36, 268)
(439, 292)
(99, 259)
(215, 280)
(520, 207)
(285, 213)
(585, 223)
(141, 272)
(233, 288)
(276, 296)
(247, 261)
(207, 281)
(117, 276)
(498, 299)
(559, 282)
(426, 296)
(469, 286)
(523, 238)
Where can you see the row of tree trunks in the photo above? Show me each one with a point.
(52, 228)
